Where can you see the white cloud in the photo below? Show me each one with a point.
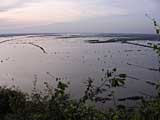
(41, 12)
(6, 3)
(51, 11)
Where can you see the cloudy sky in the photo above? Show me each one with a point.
(111, 16)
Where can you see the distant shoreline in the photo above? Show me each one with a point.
(80, 34)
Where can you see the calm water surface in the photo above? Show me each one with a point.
(75, 60)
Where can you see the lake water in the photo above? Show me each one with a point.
(72, 59)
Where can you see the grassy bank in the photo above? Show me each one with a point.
(57, 105)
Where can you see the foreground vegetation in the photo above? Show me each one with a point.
(56, 104)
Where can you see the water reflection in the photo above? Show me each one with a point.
(74, 60)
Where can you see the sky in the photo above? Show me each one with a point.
(78, 16)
